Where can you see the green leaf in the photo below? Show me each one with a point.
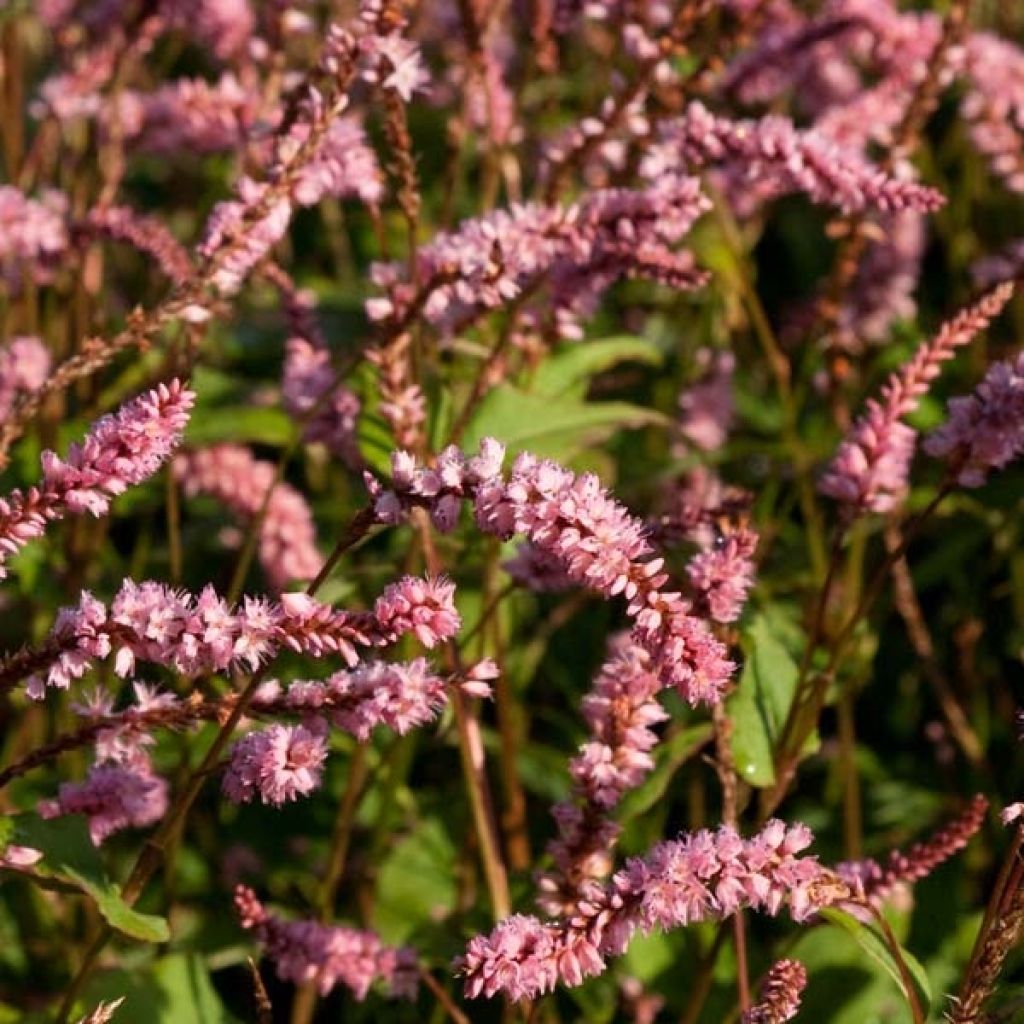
(871, 940)
(574, 364)
(69, 857)
(174, 989)
(762, 700)
(239, 423)
(6, 832)
(416, 883)
(553, 429)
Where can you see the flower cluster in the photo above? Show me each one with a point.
(307, 951)
(779, 158)
(620, 710)
(700, 877)
(312, 394)
(280, 763)
(249, 488)
(120, 450)
(577, 251)
(33, 236)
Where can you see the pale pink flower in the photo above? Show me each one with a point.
(310, 383)
(33, 236)
(24, 366)
(723, 573)
(279, 763)
(780, 994)
(706, 407)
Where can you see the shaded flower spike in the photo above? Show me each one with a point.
(310, 952)
(985, 430)
(869, 471)
(121, 450)
(780, 994)
(779, 158)
(287, 534)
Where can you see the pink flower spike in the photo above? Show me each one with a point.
(307, 951)
(121, 450)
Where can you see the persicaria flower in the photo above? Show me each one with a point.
(24, 366)
(113, 797)
(311, 392)
(307, 951)
(278, 764)
(120, 450)
(702, 876)
(780, 994)
(985, 430)
(869, 471)
(723, 573)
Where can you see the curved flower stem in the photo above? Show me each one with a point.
(152, 853)
(909, 987)
(444, 999)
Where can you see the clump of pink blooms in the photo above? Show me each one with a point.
(699, 877)
(119, 451)
(33, 236)
(869, 471)
(249, 488)
(706, 407)
(721, 575)
(328, 955)
(620, 710)
(280, 763)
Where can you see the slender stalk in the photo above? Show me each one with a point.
(307, 995)
(442, 996)
(897, 954)
(471, 753)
